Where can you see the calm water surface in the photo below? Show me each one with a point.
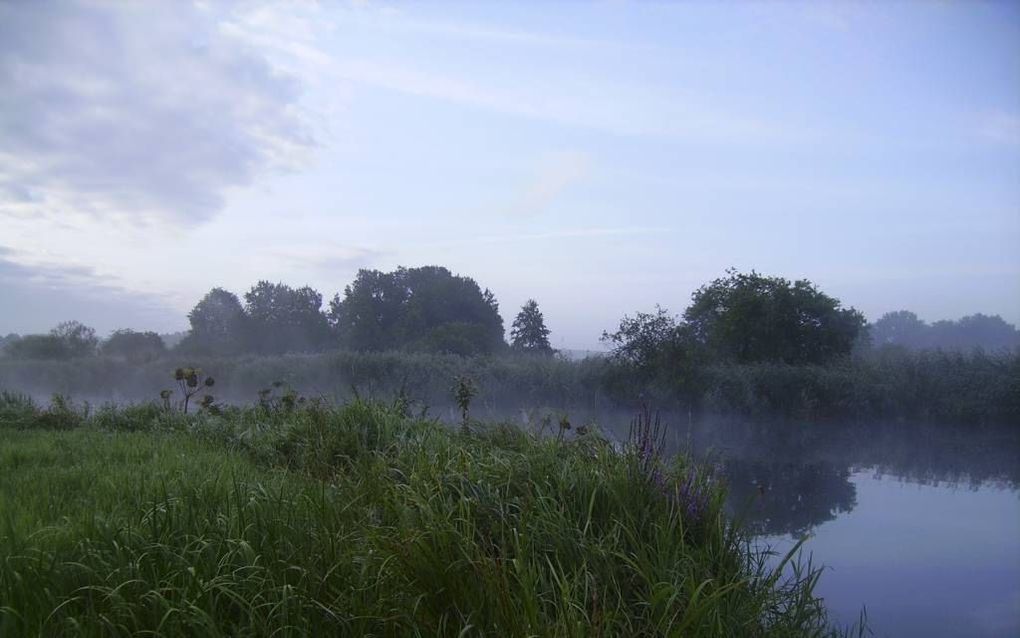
(917, 524)
(925, 560)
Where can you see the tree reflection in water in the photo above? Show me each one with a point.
(788, 498)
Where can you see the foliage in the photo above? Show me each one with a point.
(38, 347)
(219, 325)
(463, 391)
(357, 521)
(889, 384)
(904, 328)
(654, 353)
(191, 381)
(5, 340)
(884, 383)
(528, 332)
(284, 319)
(427, 308)
(901, 327)
(80, 340)
(70, 339)
(750, 318)
(135, 347)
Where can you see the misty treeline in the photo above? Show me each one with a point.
(747, 344)
(427, 309)
(904, 328)
(741, 318)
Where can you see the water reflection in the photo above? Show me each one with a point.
(919, 523)
(787, 498)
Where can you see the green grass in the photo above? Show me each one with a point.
(359, 521)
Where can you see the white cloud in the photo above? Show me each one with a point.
(146, 109)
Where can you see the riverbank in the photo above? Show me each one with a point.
(360, 520)
(884, 384)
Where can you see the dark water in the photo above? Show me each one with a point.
(917, 524)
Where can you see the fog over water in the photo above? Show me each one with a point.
(599, 158)
(790, 230)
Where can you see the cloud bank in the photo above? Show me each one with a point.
(135, 110)
(38, 297)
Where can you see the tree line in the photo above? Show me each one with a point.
(904, 328)
(426, 309)
(740, 318)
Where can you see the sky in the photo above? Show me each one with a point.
(600, 158)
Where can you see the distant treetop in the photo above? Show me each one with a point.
(427, 308)
(978, 331)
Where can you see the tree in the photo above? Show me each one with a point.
(528, 332)
(903, 328)
(426, 308)
(37, 347)
(654, 351)
(900, 328)
(974, 331)
(78, 339)
(284, 319)
(68, 340)
(5, 341)
(218, 325)
(136, 347)
(748, 318)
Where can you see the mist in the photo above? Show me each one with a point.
(455, 319)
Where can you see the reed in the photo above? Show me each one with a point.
(308, 519)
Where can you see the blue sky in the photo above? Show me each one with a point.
(600, 158)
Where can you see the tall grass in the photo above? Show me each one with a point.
(883, 384)
(887, 384)
(359, 521)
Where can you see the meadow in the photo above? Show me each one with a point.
(300, 517)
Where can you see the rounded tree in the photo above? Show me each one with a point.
(749, 318)
(218, 325)
(136, 347)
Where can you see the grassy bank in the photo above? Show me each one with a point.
(360, 521)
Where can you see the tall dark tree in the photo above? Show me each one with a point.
(749, 318)
(427, 308)
(136, 347)
(284, 319)
(218, 325)
(528, 332)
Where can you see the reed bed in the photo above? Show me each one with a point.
(306, 519)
